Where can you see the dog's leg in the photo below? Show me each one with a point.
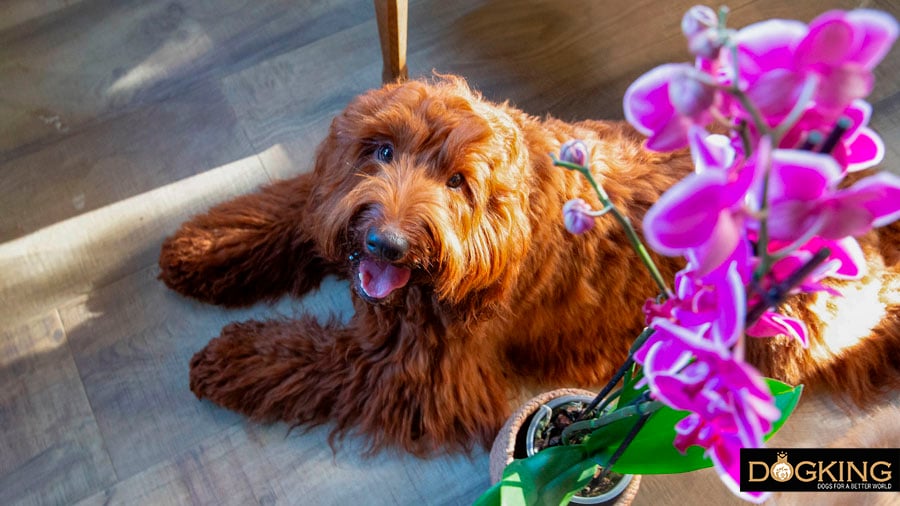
(251, 248)
(392, 388)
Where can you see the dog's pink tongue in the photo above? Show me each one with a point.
(379, 279)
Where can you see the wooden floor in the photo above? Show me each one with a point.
(120, 119)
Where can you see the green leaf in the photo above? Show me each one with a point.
(652, 451)
(786, 399)
(553, 475)
(629, 393)
(544, 478)
(490, 497)
(561, 490)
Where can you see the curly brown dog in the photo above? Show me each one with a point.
(445, 212)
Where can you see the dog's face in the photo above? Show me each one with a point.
(423, 184)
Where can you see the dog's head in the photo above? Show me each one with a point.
(423, 183)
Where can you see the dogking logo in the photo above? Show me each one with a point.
(820, 469)
(781, 471)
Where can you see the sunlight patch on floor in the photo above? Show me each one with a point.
(34, 338)
(67, 258)
(188, 45)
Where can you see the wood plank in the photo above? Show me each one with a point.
(102, 246)
(147, 148)
(60, 261)
(132, 341)
(289, 100)
(254, 464)
(17, 12)
(51, 450)
(220, 470)
(588, 54)
(578, 59)
(93, 59)
(886, 121)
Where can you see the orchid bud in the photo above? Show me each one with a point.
(577, 217)
(700, 25)
(706, 44)
(574, 151)
(697, 19)
(689, 93)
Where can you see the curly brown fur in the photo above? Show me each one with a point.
(487, 291)
(248, 249)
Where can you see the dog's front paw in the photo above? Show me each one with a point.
(231, 370)
(181, 263)
(207, 371)
(217, 371)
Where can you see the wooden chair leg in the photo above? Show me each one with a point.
(391, 16)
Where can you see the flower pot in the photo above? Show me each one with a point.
(512, 443)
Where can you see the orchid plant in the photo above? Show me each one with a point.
(766, 214)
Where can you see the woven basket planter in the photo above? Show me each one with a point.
(510, 443)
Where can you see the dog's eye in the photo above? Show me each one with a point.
(455, 181)
(384, 153)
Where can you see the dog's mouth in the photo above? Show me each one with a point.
(376, 279)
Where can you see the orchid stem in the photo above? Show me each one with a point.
(584, 414)
(622, 447)
(597, 214)
(775, 134)
(840, 128)
(778, 293)
(794, 246)
(645, 407)
(608, 388)
(632, 234)
(746, 143)
(813, 139)
(641, 339)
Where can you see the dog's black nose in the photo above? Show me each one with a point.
(389, 245)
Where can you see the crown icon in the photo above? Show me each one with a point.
(782, 470)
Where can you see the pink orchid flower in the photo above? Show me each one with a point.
(858, 148)
(706, 313)
(805, 200)
(693, 361)
(731, 406)
(723, 444)
(765, 58)
(772, 324)
(702, 216)
(838, 51)
(666, 102)
(845, 262)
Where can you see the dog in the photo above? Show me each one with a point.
(444, 211)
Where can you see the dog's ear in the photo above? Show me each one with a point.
(325, 218)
